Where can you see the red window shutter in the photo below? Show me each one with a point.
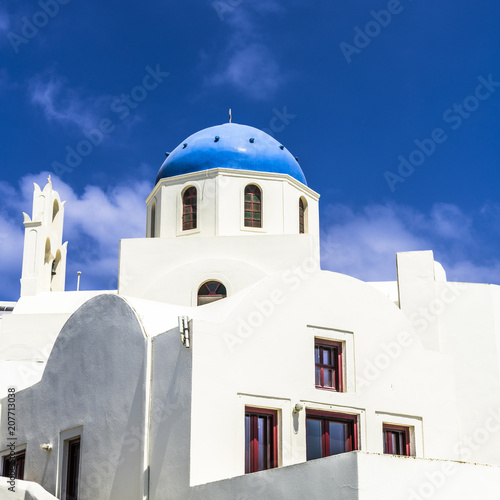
(261, 439)
(189, 209)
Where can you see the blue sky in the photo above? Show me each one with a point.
(392, 107)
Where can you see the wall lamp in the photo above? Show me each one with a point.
(297, 408)
(46, 447)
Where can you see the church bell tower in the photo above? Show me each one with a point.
(44, 255)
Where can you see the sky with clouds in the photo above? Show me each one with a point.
(392, 107)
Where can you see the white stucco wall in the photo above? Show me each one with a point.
(361, 476)
(332, 477)
(23, 490)
(263, 355)
(95, 379)
(401, 365)
(171, 270)
(386, 477)
(170, 425)
(220, 204)
(469, 330)
(29, 332)
(460, 320)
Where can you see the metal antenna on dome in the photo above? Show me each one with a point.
(230, 115)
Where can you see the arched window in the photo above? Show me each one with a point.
(153, 219)
(55, 209)
(55, 269)
(302, 215)
(189, 209)
(253, 206)
(211, 291)
(48, 254)
(56, 216)
(55, 264)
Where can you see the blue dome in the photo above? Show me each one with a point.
(230, 146)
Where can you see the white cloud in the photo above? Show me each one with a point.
(244, 15)
(246, 63)
(363, 242)
(63, 104)
(94, 222)
(11, 253)
(252, 70)
(4, 21)
(469, 272)
(449, 222)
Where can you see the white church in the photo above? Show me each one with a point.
(228, 366)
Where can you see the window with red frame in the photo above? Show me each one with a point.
(14, 466)
(301, 217)
(261, 439)
(211, 291)
(330, 433)
(328, 364)
(189, 209)
(253, 206)
(396, 440)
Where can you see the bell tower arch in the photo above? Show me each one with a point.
(44, 255)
